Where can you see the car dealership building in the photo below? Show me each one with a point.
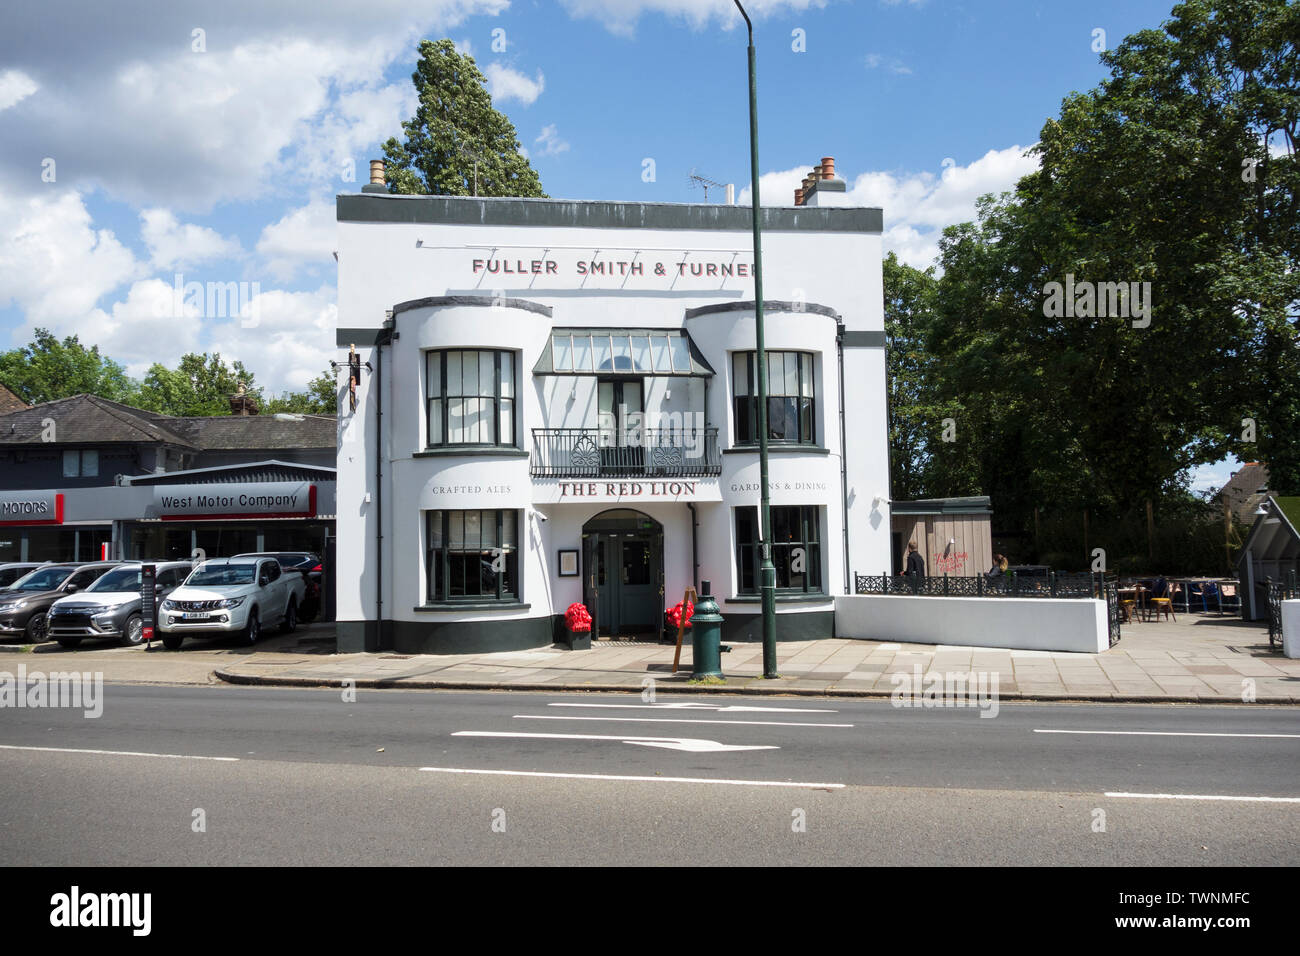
(555, 402)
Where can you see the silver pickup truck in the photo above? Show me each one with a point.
(232, 596)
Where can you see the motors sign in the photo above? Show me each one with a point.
(31, 507)
(265, 499)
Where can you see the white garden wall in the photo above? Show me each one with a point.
(1040, 624)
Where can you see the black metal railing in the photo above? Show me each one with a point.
(1279, 591)
(1051, 585)
(629, 453)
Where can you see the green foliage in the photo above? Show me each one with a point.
(320, 398)
(200, 385)
(456, 135)
(1158, 175)
(47, 369)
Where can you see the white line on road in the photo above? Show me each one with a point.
(680, 720)
(1160, 733)
(1201, 796)
(115, 753)
(732, 708)
(610, 776)
(690, 744)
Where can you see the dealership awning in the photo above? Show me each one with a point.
(627, 351)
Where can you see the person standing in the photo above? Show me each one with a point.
(915, 570)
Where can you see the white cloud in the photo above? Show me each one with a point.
(54, 264)
(304, 236)
(297, 328)
(550, 142)
(621, 16)
(917, 206)
(891, 63)
(505, 84)
(173, 244)
(275, 101)
(15, 86)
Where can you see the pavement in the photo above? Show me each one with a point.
(1200, 658)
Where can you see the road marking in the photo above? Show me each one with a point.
(690, 744)
(680, 720)
(610, 776)
(1159, 733)
(114, 753)
(732, 709)
(1201, 796)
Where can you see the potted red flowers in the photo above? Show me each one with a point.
(679, 615)
(577, 627)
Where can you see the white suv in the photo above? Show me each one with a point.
(232, 596)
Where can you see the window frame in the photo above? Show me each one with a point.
(444, 399)
(82, 471)
(437, 571)
(809, 524)
(804, 426)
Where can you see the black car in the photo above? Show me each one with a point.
(308, 564)
(25, 603)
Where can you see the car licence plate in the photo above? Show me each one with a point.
(195, 616)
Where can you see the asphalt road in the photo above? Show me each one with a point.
(499, 778)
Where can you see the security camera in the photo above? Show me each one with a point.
(539, 516)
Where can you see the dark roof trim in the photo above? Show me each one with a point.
(599, 214)
(483, 301)
(769, 305)
(171, 477)
(978, 505)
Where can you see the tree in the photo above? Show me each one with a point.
(320, 398)
(46, 369)
(456, 137)
(199, 385)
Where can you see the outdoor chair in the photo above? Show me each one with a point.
(1229, 599)
(1128, 602)
(1210, 595)
(1160, 601)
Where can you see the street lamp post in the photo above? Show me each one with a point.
(767, 571)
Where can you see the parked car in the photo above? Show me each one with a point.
(13, 570)
(232, 596)
(308, 564)
(111, 607)
(25, 603)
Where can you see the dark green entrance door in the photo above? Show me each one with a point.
(624, 573)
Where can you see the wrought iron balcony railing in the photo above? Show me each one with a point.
(629, 453)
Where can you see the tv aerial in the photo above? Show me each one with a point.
(697, 181)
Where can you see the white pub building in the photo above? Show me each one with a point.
(556, 403)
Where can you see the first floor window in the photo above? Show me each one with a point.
(472, 556)
(791, 404)
(796, 549)
(81, 464)
(470, 397)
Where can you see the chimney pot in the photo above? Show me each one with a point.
(377, 172)
(817, 172)
(798, 197)
(828, 167)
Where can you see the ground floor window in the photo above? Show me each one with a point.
(796, 549)
(472, 555)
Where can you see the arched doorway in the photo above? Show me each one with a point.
(623, 574)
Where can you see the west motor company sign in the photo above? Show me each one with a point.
(31, 507)
(279, 499)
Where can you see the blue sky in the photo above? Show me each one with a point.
(208, 140)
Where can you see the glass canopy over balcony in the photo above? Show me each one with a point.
(626, 351)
